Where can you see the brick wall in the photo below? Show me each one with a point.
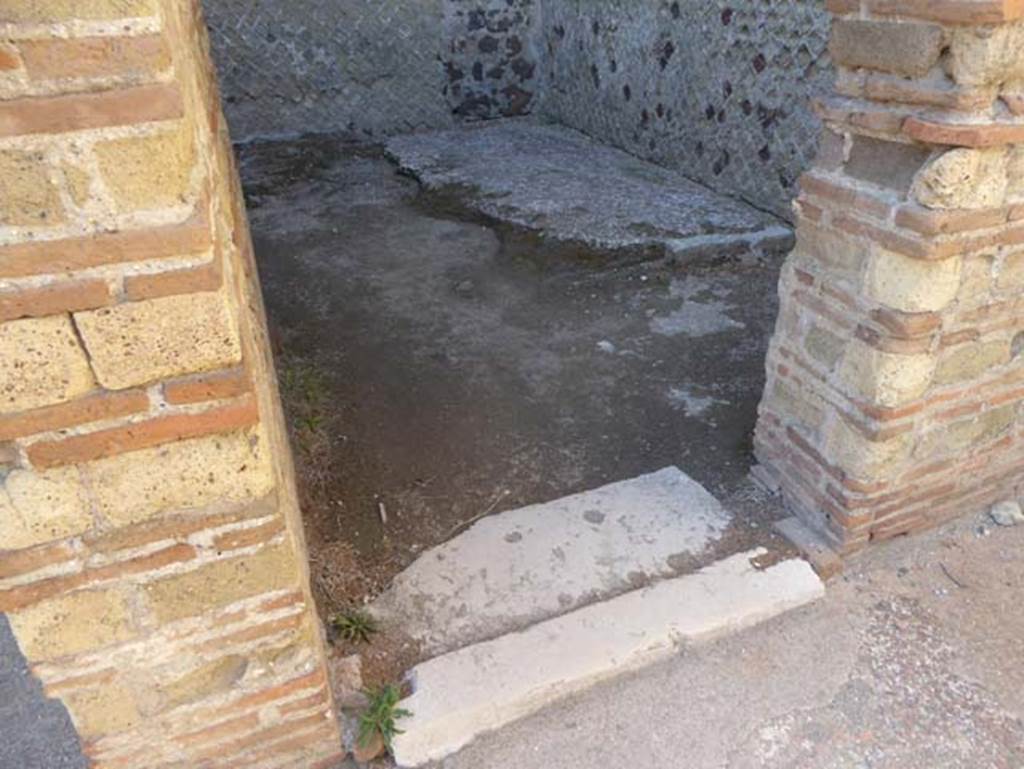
(895, 376)
(151, 559)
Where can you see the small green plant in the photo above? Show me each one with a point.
(355, 625)
(312, 422)
(305, 383)
(380, 716)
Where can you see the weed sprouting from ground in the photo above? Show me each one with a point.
(380, 715)
(303, 379)
(354, 626)
(306, 397)
(305, 393)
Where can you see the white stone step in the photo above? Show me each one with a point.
(481, 687)
(523, 566)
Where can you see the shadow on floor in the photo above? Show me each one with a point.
(35, 732)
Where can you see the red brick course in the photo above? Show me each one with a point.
(46, 257)
(77, 112)
(84, 57)
(964, 134)
(141, 435)
(207, 387)
(54, 298)
(34, 592)
(205, 277)
(92, 408)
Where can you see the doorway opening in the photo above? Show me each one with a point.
(527, 251)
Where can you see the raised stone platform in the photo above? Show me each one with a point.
(569, 189)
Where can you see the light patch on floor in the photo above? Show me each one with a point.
(692, 404)
(702, 312)
(555, 180)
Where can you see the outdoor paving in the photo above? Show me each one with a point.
(913, 660)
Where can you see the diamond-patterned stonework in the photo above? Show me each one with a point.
(718, 89)
(370, 67)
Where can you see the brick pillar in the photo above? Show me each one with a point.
(895, 376)
(151, 554)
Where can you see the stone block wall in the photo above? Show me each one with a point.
(719, 90)
(895, 393)
(152, 566)
(371, 68)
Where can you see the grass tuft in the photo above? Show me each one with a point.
(354, 626)
(381, 714)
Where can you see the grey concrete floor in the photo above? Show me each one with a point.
(449, 365)
(914, 660)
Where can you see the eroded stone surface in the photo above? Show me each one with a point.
(43, 364)
(39, 507)
(571, 189)
(482, 687)
(518, 567)
(139, 485)
(140, 342)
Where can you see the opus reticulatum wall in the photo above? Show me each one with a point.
(372, 68)
(719, 90)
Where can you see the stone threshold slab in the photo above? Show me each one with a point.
(513, 569)
(479, 688)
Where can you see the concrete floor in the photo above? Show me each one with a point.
(448, 366)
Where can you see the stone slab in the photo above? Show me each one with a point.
(482, 687)
(522, 566)
(570, 188)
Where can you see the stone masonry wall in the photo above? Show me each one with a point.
(895, 393)
(152, 566)
(719, 90)
(372, 67)
(492, 59)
